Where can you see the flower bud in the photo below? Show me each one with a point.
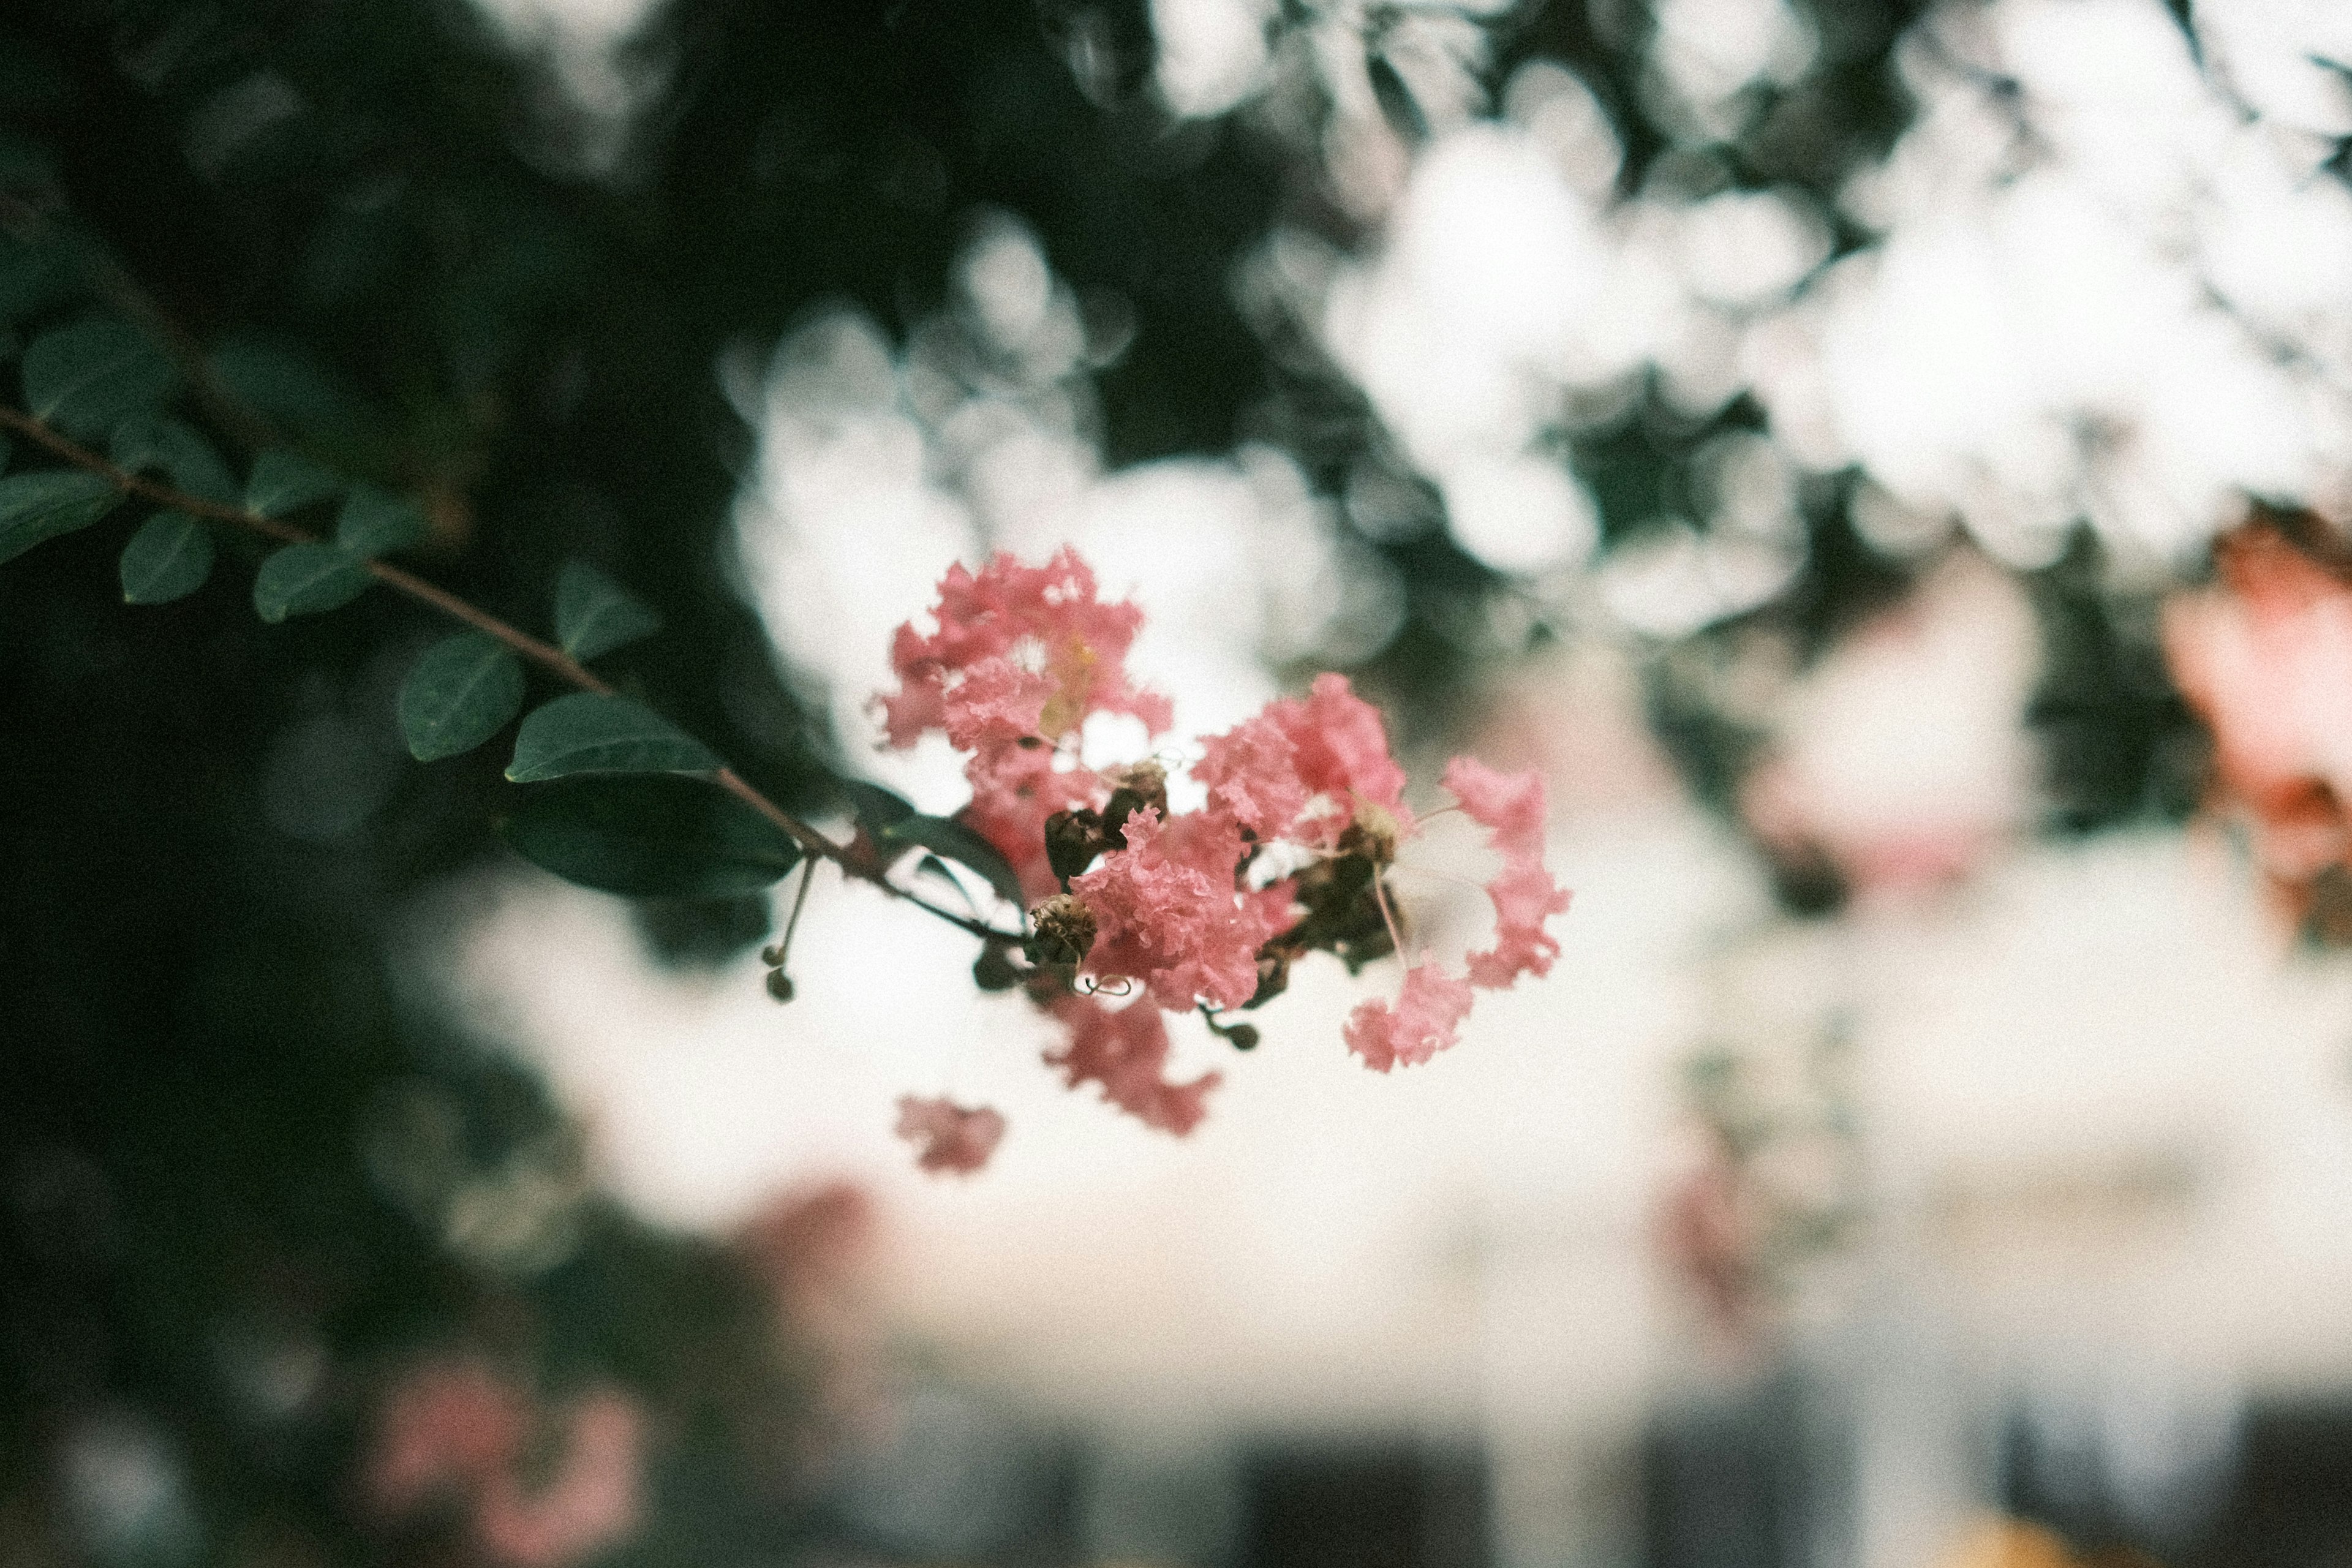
(1073, 839)
(994, 970)
(1142, 787)
(1061, 929)
(1243, 1036)
(780, 985)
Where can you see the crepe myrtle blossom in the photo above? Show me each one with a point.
(452, 1435)
(2266, 659)
(1200, 911)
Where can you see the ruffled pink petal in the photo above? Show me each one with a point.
(948, 1136)
(1525, 895)
(1424, 1020)
(997, 703)
(1252, 774)
(1167, 916)
(1125, 1052)
(1511, 806)
(590, 1503)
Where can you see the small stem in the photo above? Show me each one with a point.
(1388, 917)
(547, 656)
(784, 950)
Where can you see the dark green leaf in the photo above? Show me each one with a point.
(960, 843)
(306, 579)
(376, 523)
(169, 558)
(876, 808)
(461, 693)
(155, 443)
(35, 274)
(594, 614)
(586, 733)
(649, 836)
(37, 507)
(285, 481)
(90, 377)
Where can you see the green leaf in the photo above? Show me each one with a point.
(152, 442)
(876, 808)
(376, 522)
(37, 507)
(461, 693)
(650, 836)
(285, 481)
(586, 733)
(35, 274)
(960, 843)
(594, 614)
(306, 579)
(169, 558)
(90, 377)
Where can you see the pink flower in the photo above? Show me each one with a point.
(1252, 774)
(1511, 806)
(444, 1428)
(947, 1136)
(1050, 617)
(1166, 914)
(1125, 1051)
(1423, 1022)
(997, 703)
(591, 1502)
(1341, 748)
(454, 1430)
(1524, 895)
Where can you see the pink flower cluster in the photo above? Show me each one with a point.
(1177, 908)
(453, 1432)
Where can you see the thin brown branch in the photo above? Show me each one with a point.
(853, 860)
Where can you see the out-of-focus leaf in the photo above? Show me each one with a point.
(954, 841)
(35, 274)
(594, 614)
(155, 443)
(307, 579)
(39, 507)
(285, 481)
(876, 808)
(649, 836)
(169, 558)
(460, 693)
(87, 377)
(376, 523)
(586, 733)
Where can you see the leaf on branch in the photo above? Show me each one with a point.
(875, 807)
(460, 693)
(169, 558)
(88, 377)
(39, 507)
(35, 274)
(285, 481)
(308, 579)
(376, 523)
(156, 443)
(954, 841)
(651, 836)
(594, 614)
(587, 733)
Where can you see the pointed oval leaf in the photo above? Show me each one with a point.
(649, 836)
(285, 481)
(307, 579)
(154, 443)
(586, 733)
(87, 377)
(460, 693)
(594, 614)
(169, 558)
(376, 522)
(39, 507)
(875, 807)
(954, 841)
